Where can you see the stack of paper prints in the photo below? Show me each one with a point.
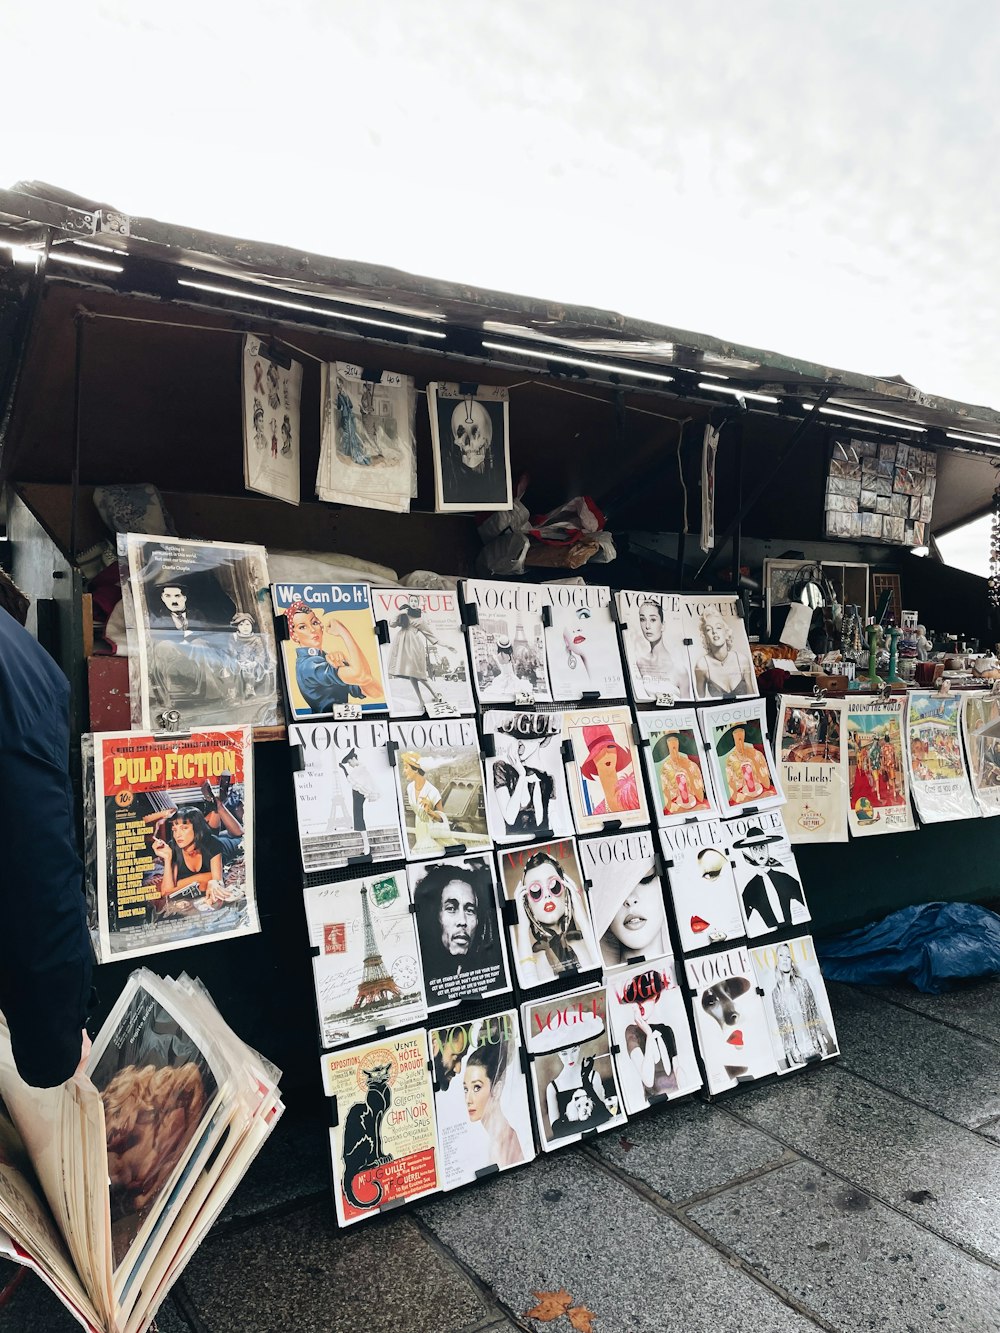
(626, 897)
(383, 1142)
(480, 1098)
(439, 784)
(551, 936)
(458, 925)
(573, 1075)
(345, 794)
(470, 438)
(173, 865)
(425, 663)
(330, 655)
(812, 759)
(201, 642)
(367, 968)
(585, 660)
(367, 443)
(527, 799)
(506, 642)
(655, 1059)
(272, 390)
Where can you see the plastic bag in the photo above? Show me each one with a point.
(934, 945)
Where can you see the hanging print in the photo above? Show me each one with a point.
(673, 751)
(605, 786)
(941, 786)
(272, 388)
(424, 659)
(367, 444)
(743, 766)
(879, 792)
(585, 660)
(551, 934)
(654, 627)
(470, 444)
(813, 765)
(981, 730)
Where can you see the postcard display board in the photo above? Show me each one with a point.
(573, 909)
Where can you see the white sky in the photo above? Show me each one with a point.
(815, 179)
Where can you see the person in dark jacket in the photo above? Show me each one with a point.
(45, 952)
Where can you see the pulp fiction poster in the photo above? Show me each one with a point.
(879, 792)
(812, 758)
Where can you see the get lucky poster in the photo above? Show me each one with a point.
(812, 759)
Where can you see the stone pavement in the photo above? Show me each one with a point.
(860, 1196)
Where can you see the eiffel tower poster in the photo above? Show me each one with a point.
(376, 984)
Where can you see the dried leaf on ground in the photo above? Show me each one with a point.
(551, 1304)
(581, 1318)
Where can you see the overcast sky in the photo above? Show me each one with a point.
(819, 180)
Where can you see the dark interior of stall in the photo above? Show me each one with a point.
(122, 388)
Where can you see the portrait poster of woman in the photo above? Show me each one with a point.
(940, 779)
(879, 787)
(721, 663)
(383, 1144)
(480, 1098)
(605, 784)
(172, 829)
(743, 767)
(551, 935)
(367, 438)
(730, 1018)
(330, 653)
(812, 755)
(767, 877)
(800, 1021)
(527, 798)
(160, 1091)
(367, 965)
(679, 777)
(425, 662)
(200, 639)
(626, 897)
(654, 627)
(573, 1076)
(470, 443)
(585, 658)
(702, 884)
(345, 793)
(649, 1023)
(507, 644)
(439, 787)
(462, 954)
(981, 733)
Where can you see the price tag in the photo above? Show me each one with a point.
(665, 701)
(349, 712)
(524, 701)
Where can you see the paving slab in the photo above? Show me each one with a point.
(295, 1162)
(562, 1223)
(855, 1263)
(685, 1150)
(940, 1173)
(956, 1074)
(298, 1272)
(34, 1309)
(974, 1006)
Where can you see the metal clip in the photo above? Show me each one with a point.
(944, 687)
(819, 692)
(884, 691)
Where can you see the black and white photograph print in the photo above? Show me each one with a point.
(527, 799)
(626, 897)
(798, 1008)
(425, 663)
(767, 878)
(654, 627)
(470, 441)
(458, 926)
(720, 650)
(439, 780)
(506, 641)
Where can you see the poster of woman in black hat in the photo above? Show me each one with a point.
(771, 893)
(526, 794)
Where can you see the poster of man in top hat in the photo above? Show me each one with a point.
(771, 892)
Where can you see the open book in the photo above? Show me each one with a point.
(109, 1182)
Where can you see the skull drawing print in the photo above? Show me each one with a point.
(469, 433)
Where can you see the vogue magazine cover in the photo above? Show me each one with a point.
(527, 798)
(767, 878)
(812, 761)
(798, 1010)
(367, 965)
(605, 785)
(941, 786)
(622, 875)
(367, 443)
(702, 884)
(271, 393)
(585, 660)
(721, 664)
(649, 1022)
(506, 641)
(730, 1019)
(384, 1141)
(458, 925)
(439, 785)
(425, 663)
(345, 793)
(549, 927)
(879, 790)
(470, 441)
(743, 767)
(200, 634)
(573, 1075)
(654, 628)
(674, 756)
(330, 653)
(174, 866)
(480, 1098)
(981, 730)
